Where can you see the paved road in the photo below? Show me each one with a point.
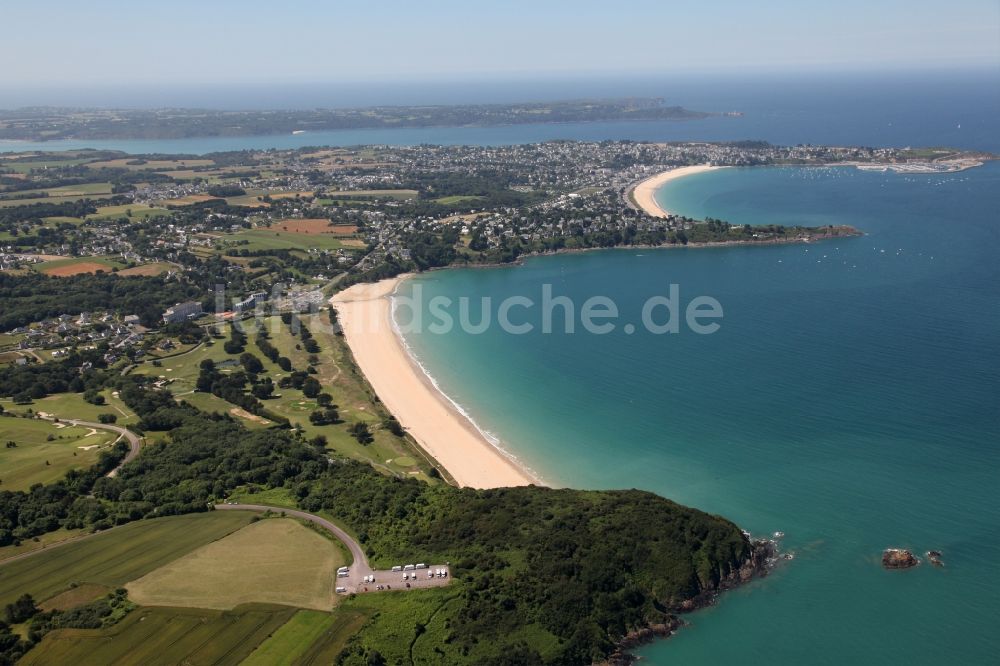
(134, 441)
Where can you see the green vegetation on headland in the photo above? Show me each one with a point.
(559, 576)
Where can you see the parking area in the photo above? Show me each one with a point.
(401, 577)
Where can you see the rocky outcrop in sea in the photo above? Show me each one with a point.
(898, 558)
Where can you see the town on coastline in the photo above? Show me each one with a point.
(356, 214)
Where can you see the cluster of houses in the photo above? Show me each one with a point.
(123, 335)
(10, 260)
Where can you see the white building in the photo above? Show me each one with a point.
(182, 312)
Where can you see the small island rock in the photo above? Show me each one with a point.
(898, 558)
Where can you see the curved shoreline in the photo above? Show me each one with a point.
(643, 192)
(404, 387)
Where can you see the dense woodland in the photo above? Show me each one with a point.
(33, 297)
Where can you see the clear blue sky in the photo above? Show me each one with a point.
(104, 41)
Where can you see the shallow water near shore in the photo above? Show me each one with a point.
(850, 399)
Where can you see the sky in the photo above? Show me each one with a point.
(57, 42)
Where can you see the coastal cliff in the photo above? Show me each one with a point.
(759, 558)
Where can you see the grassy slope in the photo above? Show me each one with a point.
(269, 239)
(285, 563)
(36, 460)
(139, 212)
(165, 636)
(335, 371)
(290, 643)
(37, 543)
(73, 406)
(61, 263)
(115, 557)
(7, 203)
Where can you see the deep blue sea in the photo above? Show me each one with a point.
(851, 398)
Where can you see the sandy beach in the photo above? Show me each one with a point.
(644, 191)
(365, 313)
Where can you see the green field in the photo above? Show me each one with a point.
(402, 195)
(24, 166)
(183, 370)
(266, 239)
(349, 393)
(77, 221)
(154, 268)
(291, 642)
(73, 406)
(458, 198)
(82, 190)
(38, 542)
(288, 564)
(138, 212)
(348, 389)
(207, 402)
(151, 636)
(249, 200)
(148, 165)
(52, 267)
(37, 460)
(7, 203)
(114, 557)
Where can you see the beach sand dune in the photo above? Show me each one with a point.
(365, 314)
(644, 191)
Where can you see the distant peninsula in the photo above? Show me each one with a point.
(50, 123)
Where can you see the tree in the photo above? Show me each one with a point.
(251, 363)
(393, 426)
(236, 342)
(93, 397)
(324, 400)
(311, 387)
(361, 433)
(107, 418)
(325, 416)
(21, 610)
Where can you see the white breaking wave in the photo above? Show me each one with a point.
(490, 437)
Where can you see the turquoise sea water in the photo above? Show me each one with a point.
(851, 399)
